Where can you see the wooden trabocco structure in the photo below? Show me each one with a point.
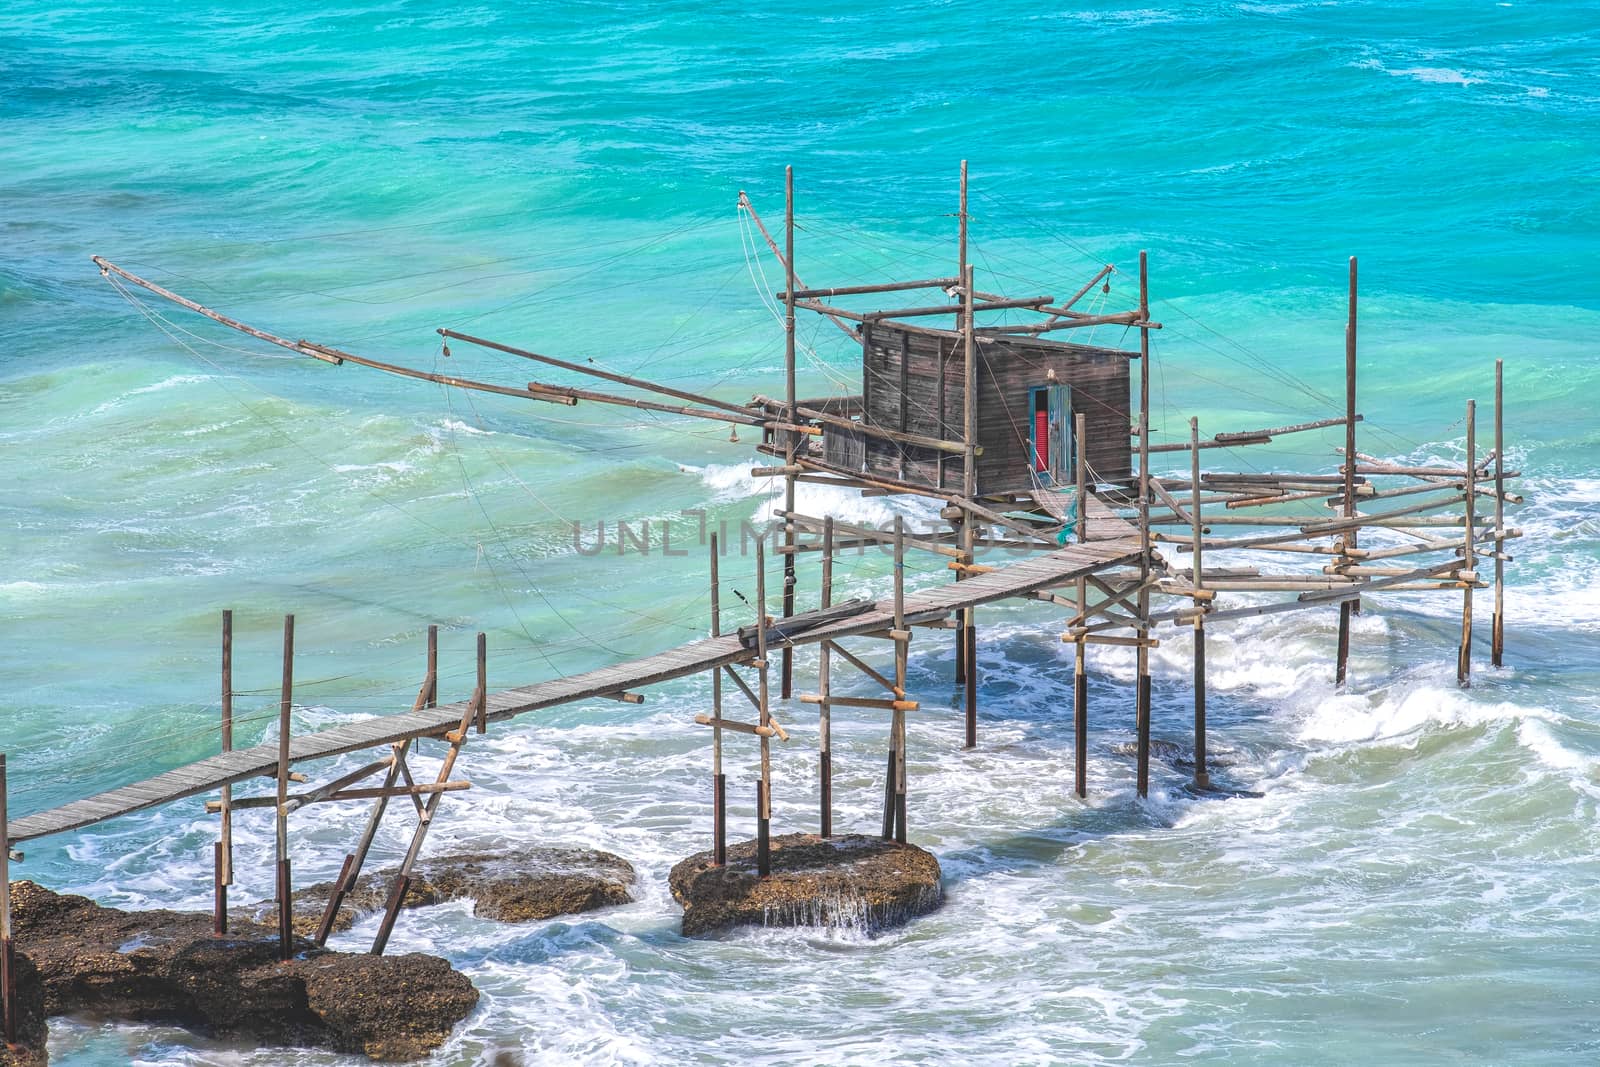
(1027, 441)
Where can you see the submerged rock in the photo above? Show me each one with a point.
(852, 881)
(1178, 755)
(165, 966)
(527, 885)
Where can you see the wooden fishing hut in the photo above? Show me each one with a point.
(1029, 391)
(1028, 442)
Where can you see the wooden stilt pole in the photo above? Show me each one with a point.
(427, 696)
(719, 782)
(224, 850)
(764, 788)
(1347, 608)
(483, 683)
(792, 439)
(825, 708)
(8, 965)
(962, 539)
(1497, 633)
(969, 486)
(1080, 677)
(433, 667)
(901, 647)
(1202, 779)
(1464, 655)
(1142, 692)
(1080, 720)
(285, 893)
(971, 696)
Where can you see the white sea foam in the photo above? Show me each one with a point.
(456, 426)
(173, 382)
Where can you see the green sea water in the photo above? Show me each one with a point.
(1419, 882)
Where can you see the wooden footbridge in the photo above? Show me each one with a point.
(1029, 444)
(1045, 571)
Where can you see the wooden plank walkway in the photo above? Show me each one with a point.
(1042, 571)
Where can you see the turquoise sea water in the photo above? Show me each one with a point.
(1419, 883)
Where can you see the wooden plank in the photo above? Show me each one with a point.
(1026, 576)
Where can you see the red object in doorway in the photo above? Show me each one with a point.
(1041, 440)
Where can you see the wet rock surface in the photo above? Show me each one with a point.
(30, 1029)
(526, 885)
(1179, 755)
(851, 881)
(165, 966)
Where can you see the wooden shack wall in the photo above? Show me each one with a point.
(913, 381)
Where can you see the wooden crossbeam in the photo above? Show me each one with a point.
(737, 727)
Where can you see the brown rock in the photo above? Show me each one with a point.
(165, 966)
(31, 1032)
(514, 887)
(852, 881)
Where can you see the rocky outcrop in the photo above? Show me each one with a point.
(857, 882)
(165, 966)
(527, 885)
(30, 1030)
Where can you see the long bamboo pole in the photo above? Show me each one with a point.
(719, 781)
(969, 491)
(1202, 777)
(824, 683)
(1080, 676)
(901, 642)
(1497, 640)
(1464, 655)
(1142, 694)
(285, 895)
(1348, 540)
(224, 857)
(791, 439)
(963, 324)
(764, 787)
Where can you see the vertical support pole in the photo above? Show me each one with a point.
(483, 683)
(427, 696)
(285, 901)
(1464, 655)
(224, 850)
(962, 322)
(958, 525)
(8, 963)
(432, 698)
(764, 788)
(1497, 633)
(971, 695)
(1080, 677)
(1347, 608)
(1202, 777)
(1142, 692)
(825, 708)
(969, 490)
(719, 782)
(961, 232)
(792, 438)
(901, 647)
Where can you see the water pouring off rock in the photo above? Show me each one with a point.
(853, 882)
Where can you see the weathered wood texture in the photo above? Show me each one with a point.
(912, 383)
(207, 775)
